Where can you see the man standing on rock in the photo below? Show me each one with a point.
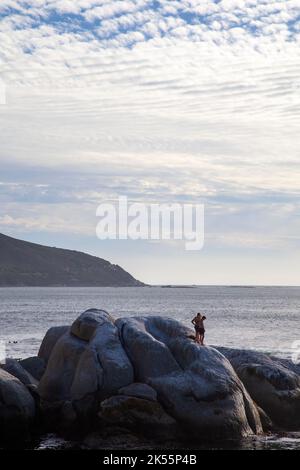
(198, 323)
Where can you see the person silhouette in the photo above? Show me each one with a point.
(198, 323)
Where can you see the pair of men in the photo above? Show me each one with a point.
(198, 323)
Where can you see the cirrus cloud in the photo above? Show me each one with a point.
(181, 101)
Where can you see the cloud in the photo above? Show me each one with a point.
(169, 100)
(115, 8)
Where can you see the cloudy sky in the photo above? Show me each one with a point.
(162, 101)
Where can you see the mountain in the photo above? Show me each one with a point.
(29, 264)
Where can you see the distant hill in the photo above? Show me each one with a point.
(28, 264)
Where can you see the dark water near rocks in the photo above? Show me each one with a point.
(262, 318)
(273, 442)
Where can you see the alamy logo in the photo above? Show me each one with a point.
(122, 220)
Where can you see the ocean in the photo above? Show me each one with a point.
(261, 318)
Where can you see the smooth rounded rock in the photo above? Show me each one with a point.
(272, 384)
(14, 367)
(144, 416)
(139, 390)
(85, 326)
(49, 341)
(17, 408)
(196, 385)
(35, 365)
(87, 364)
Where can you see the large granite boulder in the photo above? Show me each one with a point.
(116, 366)
(87, 364)
(15, 368)
(49, 341)
(17, 408)
(35, 365)
(196, 385)
(273, 383)
(139, 390)
(141, 415)
(288, 364)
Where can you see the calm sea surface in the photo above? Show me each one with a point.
(262, 318)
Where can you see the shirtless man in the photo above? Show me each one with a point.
(199, 328)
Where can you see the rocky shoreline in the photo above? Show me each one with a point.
(142, 382)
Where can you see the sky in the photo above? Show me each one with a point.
(160, 101)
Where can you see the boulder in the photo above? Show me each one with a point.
(266, 422)
(288, 364)
(36, 366)
(139, 390)
(272, 383)
(56, 383)
(49, 341)
(142, 416)
(196, 385)
(14, 367)
(87, 364)
(17, 408)
(85, 326)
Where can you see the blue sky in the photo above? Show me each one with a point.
(166, 101)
